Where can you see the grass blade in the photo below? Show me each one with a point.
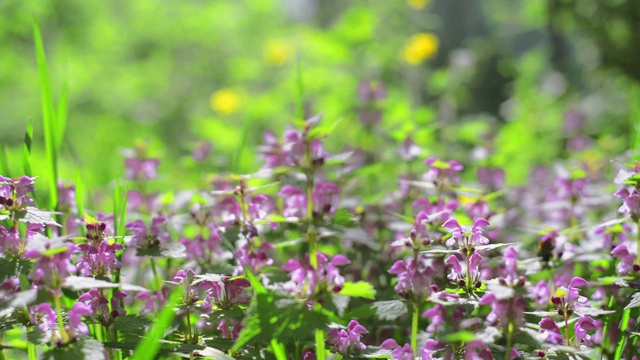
(48, 118)
(149, 346)
(26, 149)
(299, 91)
(61, 117)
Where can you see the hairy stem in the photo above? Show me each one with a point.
(414, 327)
(156, 277)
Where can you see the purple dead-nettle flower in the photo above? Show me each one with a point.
(459, 273)
(307, 281)
(10, 243)
(14, 193)
(46, 319)
(155, 237)
(53, 264)
(479, 209)
(441, 173)
(565, 299)
(570, 188)
(76, 325)
(271, 151)
(137, 201)
(295, 202)
(588, 331)
(235, 330)
(398, 352)
(630, 203)
(551, 331)
(254, 259)
(430, 347)
(492, 178)
(202, 151)
(409, 151)
(100, 310)
(326, 197)
(141, 169)
(419, 235)
(437, 211)
(504, 310)
(414, 280)
(437, 314)
(627, 258)
(67, 197)
(464, 235)
(185, 279)
(371, 91)
(154, 301)
(230, 211)
(99, 261)
(9, 287)
(347, 342)
(202, 248)
(225, 293)
(260, 206)
(308, 354)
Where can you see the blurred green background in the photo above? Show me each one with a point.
(462, 77)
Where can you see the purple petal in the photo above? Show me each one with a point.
(578, 281)
(389, 344)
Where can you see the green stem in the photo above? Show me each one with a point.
(510, 329)
(31, 351)
(64, 337)
(320, 355)
(189, 323)
(566, 327)
(156, 277)
(414, 327)
(311, 231)
(638, 240)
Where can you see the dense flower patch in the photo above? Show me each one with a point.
(298, 261)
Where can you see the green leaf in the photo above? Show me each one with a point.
(150, 345)
(12, 266)
(132, 325)
(33, 215)
(389, 310)
(77, 283)
(84, 349)
(358, 289)
(323, 130)
(343, 217)
(635, 301)
(374, 352)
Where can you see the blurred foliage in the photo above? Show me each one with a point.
(171, 74)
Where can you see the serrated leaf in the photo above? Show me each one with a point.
(389, 310)
(84, 349)
(13, 267)
(493, 246)
(374, 352)
(132, 325)
(358, 289)
(500, 291)
(17, 300)
(541, 313)
(172, 250)
(38, 337)
(635, 301)
(344, 218)
(33, 215)
(213, 353)
(589, 311)
(77, 283)
(439, 251)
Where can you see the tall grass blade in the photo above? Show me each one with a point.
(26, 149)
(48, 118)
(149, 346)
(237, 161)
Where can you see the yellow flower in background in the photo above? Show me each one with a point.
(420, 47)
(418, 4)
(225, 101)
(278, 52)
